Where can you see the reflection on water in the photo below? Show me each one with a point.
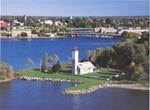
(4, 87)
(40, 95)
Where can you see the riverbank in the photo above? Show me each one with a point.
(83, 85)
(5, 80)
(70, 91)
(5, 37)
(107, 85)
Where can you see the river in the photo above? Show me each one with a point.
(40, 95)
(16, 52)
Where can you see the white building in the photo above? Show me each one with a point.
(49, 22)
(58, 23)
(80, 67)
(134, 30)
(106, 30)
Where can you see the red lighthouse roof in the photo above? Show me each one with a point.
(75, 48)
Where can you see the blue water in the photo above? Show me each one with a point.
(40, 95)
(16, 52)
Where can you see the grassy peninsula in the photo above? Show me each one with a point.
(87, 82)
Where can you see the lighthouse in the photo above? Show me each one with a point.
(75, 55)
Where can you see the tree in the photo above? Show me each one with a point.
(29, 62)
(124, 35)
(56, 67)
(54, 58)
(6, 71)
(23, 34)
(91, 55)
(44, 62)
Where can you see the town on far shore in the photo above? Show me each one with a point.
(54, 27)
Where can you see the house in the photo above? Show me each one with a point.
(17, 23)
(49, 22)
(80, 67)
(3, 25)
(57, 23)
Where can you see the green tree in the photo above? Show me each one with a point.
(6, 71)
(56, 67)
(23, 34)
(44, 62)
(124, 35)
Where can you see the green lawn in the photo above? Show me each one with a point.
(88, 82)
(100, 75)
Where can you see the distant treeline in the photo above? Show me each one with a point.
(84, 22)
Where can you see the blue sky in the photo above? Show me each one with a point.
(75, 7)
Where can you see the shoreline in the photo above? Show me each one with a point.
(6, 80)
(89, 90)
(106, 85)
(34, 37)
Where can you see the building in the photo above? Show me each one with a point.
(58, 23)
(15, 23)
(3, 25)
(49, 22)
(80, 67)
(17, 32)
(134, 30)
(106, 30)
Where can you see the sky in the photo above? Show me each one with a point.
(75, 7)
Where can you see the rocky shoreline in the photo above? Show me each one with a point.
(106, 85)
(49, 79)
(91, 89)
(6, 80)
(82, 92)
(126, 86)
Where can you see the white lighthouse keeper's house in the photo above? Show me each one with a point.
(80, 67)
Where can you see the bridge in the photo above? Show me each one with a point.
(93, 34)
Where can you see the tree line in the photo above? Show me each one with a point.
(84, 22)
(131, 56)
(6, 71)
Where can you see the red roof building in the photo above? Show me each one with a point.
(2, 24)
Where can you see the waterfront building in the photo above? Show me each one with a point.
(134, 30)
(3, 25)
(80, 67)
(17, 32)
(106, 30)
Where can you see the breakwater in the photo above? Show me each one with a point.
(70, 91)
(66, 91)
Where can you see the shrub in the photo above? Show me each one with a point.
(56, 67)
(24, 34)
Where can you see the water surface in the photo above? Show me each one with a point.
(40, 95)
(16, 52)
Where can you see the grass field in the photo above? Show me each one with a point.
(100, 75)
(88, 82)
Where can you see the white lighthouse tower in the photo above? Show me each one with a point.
(75, 55)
